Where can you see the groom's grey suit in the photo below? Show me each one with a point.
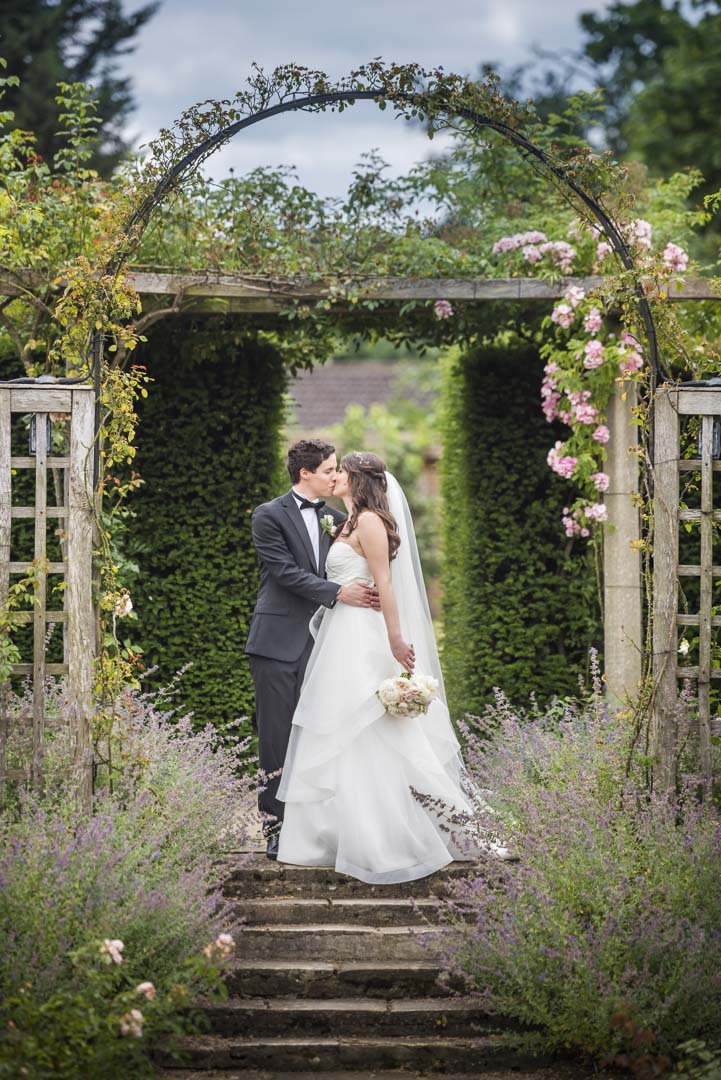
(292, 587)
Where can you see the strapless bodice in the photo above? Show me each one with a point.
(344, 565)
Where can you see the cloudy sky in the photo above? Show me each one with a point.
(198, 49)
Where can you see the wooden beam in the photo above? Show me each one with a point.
(253, 293)
(248, 293)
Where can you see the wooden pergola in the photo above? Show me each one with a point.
(169, 293)
(208, 292)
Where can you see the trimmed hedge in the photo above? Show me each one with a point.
(519, 604)
(208, 451)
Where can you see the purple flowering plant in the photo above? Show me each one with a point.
(144, 869)
(614, 906)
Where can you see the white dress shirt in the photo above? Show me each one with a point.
(310, 517)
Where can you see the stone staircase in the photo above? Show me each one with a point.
(335, 977)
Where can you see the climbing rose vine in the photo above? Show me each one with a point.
(588, 357)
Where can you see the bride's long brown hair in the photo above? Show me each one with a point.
(369, 491)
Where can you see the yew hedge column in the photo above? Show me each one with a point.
(621, 562)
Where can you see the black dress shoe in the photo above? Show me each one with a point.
(272, 849)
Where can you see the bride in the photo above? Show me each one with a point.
(350, 767)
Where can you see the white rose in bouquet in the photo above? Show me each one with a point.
(407, 695)
(389, 692)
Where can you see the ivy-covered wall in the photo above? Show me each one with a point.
(520, 605)
(208, 451)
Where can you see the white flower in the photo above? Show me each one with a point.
(407, 695)
(222, 946)
(147, 989)
(112, 949)
(389, 692)
(123, 605)
(132, 1023)
(225, 944)
(683, 647)
(328, 525)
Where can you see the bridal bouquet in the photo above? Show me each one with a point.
(407, 695)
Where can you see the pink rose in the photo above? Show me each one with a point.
(574, 295)
(594, 354)
(596, 512)
(601, 434)
(443, 309)
(563, 316)
(675, 258)
(563, 465)
(601, 480)
(593, 321)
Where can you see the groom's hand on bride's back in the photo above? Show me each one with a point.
(359, 595)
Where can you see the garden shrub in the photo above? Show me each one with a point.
(208, 452)
(607, 931)
(142, 868)
(520, 607)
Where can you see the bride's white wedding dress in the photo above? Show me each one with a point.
(350, 766)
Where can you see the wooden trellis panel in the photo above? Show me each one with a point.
(76, 516)
(671, 405)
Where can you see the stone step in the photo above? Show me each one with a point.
(378, 911)
(555, 1071)
(443, 1055)
(328, 979)
(289, 1017)
(256, 875)
(337, 941)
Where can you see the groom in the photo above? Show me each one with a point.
(292, 536)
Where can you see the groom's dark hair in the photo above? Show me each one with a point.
(307, 454)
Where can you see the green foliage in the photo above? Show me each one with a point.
(604, 936)
(113, 919)
(208, 449)
(46, 43)
(659, 72)
(77, 1031)
(519, 603)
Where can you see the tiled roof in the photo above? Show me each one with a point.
(321, 396)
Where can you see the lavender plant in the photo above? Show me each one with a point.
(614, 907)
(144, 868)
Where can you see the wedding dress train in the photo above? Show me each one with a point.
(350, 767)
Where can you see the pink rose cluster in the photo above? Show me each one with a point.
(563, 316)
(593, 354)
(443, 309)
(603, 248)
(675, 258)
(550, 394)
(578, 522)
(639, 232)
(560, 463)
(593, 321)
(518, 240)
(629, 350)
(583, 411)
(534, 245)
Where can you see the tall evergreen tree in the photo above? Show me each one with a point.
(51, 41)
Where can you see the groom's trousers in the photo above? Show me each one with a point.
(277, 689)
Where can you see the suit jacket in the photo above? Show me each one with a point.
(291, 587)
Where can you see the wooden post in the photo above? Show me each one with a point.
(5, 521)
(621, 563)
(80, 616)
(39, 594)
(705, 600)
(666, 454)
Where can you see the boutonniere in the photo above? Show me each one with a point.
(328, 525)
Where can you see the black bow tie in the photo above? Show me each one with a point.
(306, 504)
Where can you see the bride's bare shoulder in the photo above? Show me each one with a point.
(369, 519)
